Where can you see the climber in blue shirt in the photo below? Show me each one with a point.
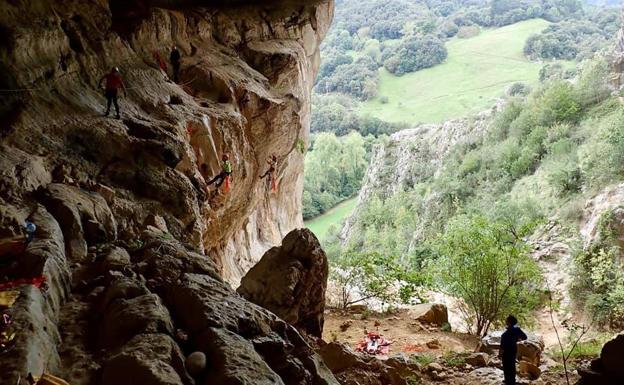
(509, 348)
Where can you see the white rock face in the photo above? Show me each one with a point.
(412, 155)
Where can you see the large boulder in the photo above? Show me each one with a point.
(290, 281)
(351, 368)
(153, 359)
(431, 313)
(608, 369)
(529, 350)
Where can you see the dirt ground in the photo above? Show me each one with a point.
(410, 336)
(406, 335)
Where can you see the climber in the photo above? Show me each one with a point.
(174, 58)
(509, 348)
(224, 175)
(114, 82)
(272, 162)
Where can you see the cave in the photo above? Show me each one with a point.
(149, 249)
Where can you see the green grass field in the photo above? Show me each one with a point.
(475, 73)
(335, 216)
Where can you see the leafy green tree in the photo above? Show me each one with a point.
(486, 264)
(414, 53)
(373, 276)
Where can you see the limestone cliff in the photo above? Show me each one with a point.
(134, 247)
(245, 83)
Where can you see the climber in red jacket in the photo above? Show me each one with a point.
(114, 82)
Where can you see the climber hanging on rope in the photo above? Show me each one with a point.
(224, 175)
(114, 82)
(272, 172)
(174, 58)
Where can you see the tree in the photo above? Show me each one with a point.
(414, 53)
(486, 264)
(364, 276)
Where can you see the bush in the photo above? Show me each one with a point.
(414, 53)
(466, 32)
(486, 264)
(372, 276)
(518, 89)
(383, 100)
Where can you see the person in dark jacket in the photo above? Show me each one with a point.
(174, 59)
(114, 82)
(509, 348)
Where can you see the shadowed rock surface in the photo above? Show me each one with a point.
(290, 281)
(135, 248)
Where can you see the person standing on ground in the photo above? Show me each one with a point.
(174, 58)
(114, 82)
(509, 348)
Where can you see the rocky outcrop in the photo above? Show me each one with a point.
(135, 247)
(430, 313)
(290, 281)
(352, 368)
(529, 350)
(607, 369)
(244, 89)
(411, 156)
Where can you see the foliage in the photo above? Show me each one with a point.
(468, 31)
(599, 275)
(423, 359)
(414, 53)
(334, 171)
(372, 276)
(338, 114)
(486, 264)
(571, 39)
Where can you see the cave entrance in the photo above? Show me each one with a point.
(422, 111)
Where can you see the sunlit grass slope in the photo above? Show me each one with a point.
(335, 216)
(475, 73)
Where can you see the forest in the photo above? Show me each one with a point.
(406, 36)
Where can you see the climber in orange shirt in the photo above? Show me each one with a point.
(114, 82)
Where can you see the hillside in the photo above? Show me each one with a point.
(548, 166)
(473, 76)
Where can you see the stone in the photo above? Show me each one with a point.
(611, 357)
(117, 258)
(529, 370)
(338, 356)
(125, 318)
(484, 376)
(434, 367)
(531, 351)
(157, 222)
(433, 344)
(352, 368)
(607, 369)
(430, 313)
(290, 281)
(146, 359)
(478, 360)
(195, 363)
(83, 216)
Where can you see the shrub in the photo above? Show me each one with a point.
(468, 31)
(486, 264)
(414, 53)
(518, 89)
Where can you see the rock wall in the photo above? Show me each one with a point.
(411, 156)
(135, 249)
(244, 89)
